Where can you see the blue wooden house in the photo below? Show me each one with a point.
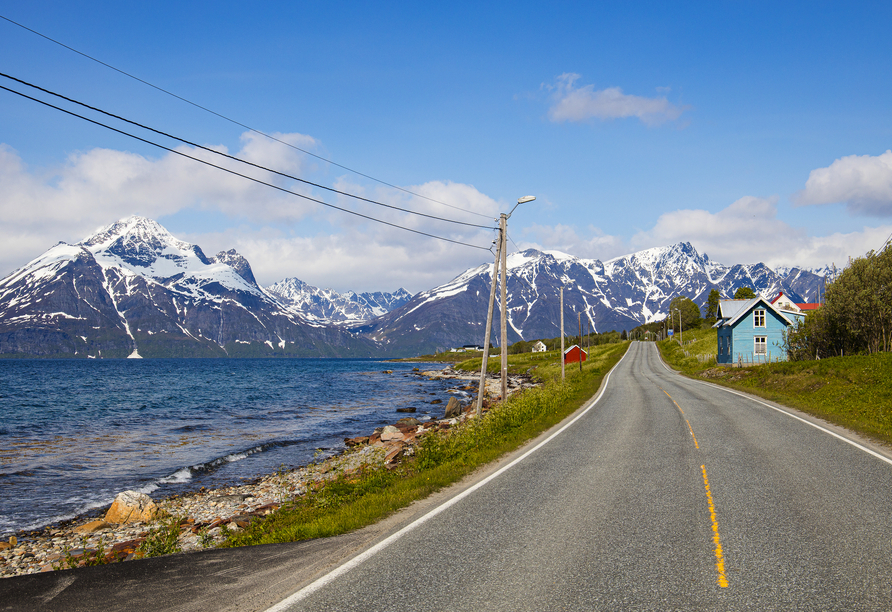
(751, 331)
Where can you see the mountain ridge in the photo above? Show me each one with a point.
(133, 288)
(620, 293)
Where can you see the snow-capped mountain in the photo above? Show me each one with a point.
(620, 293)
(133, 289)
(329, 306)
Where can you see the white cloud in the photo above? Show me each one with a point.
(863, 182)
(748, 231)
(95, 187)
(366, 256)
(577, 104)
(279, 234)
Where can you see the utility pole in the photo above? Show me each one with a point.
(579, 316)
(503, 256)
(503, 230)
(563, 374)
(492, 299)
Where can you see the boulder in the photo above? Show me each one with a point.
(409, 410)
(453, 409)
(132, 507)
(391, 433)
(408, 422)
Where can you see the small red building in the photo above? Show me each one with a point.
(574, 354)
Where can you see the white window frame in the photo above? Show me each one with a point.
(759, 316)
(757, 343)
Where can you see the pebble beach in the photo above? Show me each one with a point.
(207, 515)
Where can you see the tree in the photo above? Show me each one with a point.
(857, 313)
(712, 305)
(690, 313)
(744, 293)
(624, 335)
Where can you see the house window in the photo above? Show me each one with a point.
(759, 318)
(761, 345)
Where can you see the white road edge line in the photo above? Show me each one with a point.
(380, 546)
(789, 414)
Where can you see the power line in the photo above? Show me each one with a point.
(245, 176)
(514, 243)
(233, 121)
(232, 157)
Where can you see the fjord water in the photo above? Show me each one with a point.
(74, 433)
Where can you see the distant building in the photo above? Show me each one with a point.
(782, 302)
(539, 347)
(574, 354)
(752, 331)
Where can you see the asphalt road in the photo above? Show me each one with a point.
(665, 494)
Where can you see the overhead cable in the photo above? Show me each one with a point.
(224, 117)
(233, 172)
(232, 157)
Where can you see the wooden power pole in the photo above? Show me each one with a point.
(492, 299)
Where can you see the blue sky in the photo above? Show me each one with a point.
(756, 132)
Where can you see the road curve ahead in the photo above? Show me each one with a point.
(668, 494)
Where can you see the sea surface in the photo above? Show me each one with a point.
(74, 433)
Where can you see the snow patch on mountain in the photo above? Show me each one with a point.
(142, 247)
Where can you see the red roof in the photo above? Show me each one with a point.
(799, 306)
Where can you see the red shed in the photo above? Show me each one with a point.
(574, 354)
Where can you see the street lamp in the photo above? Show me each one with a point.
(501, 255)
(503, 231)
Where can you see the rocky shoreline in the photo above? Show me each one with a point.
(206, 516)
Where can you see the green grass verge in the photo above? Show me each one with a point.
(354, 500)
(854, 392)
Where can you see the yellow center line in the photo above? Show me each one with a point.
(722, 580)
(691, 429)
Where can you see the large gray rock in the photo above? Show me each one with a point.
(391, 433)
